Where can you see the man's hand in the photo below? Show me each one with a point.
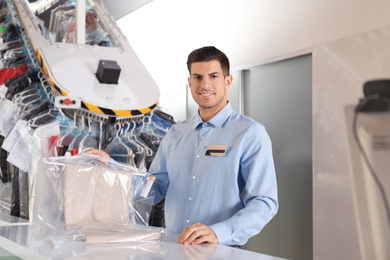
(98, 152)
(196, 234)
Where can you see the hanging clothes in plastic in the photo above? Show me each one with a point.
(108, 211)
(18, 73)
(3, 162)
(6, 182)
(20, 197)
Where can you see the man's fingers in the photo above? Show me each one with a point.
(196, 234)
(98, 152)
(186, 233)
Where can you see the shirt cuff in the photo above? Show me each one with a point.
(222, 233)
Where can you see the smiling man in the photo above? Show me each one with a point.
(215, 169)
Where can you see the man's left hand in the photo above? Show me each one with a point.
(196, 234)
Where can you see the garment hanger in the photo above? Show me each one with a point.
(79, 132)
(148, 151)
(46, 87)
(155, 129)
(140, 148)
(15, 85)
(119, 150)
(29, 103)
(30, 90)
(36, 110)
(70, 126)
(160, 116)
(43, 118)
(88, 140)
(128, 149)
(92, 159)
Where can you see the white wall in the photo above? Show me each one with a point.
(162, 33)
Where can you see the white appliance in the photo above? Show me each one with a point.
(373, 223)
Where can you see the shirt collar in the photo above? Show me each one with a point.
(219, 119)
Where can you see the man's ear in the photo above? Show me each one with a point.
(228, 81)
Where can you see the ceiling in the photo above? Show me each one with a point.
(120, 8)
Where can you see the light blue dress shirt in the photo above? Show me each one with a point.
(234, 194)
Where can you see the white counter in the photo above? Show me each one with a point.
(15, 240)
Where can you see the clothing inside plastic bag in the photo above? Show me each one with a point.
(20, 83)
(60, 145)
(20, 197)
(86, 198)
(44, 117)
(11, 33)
(9, 73)
(5, 198)
(4, 176)
(6, 182)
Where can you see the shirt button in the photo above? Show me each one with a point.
(202, 137)
(193, 177)
(189, 198)
(188, 221)
(197, 156)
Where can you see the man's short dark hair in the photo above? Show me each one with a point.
(209, 53)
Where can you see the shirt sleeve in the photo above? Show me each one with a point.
(158, 169)
(259, 193)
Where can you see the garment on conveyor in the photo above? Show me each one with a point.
(5, 197)
(126, 149)
(20, 197)
(15, 205)
(34, 109)
(152, 136)
(6, 182)
(120, 151)
(27, 81)
(60, 144)
(3, 11)
(9, 73)
(151, 141)
(159, 116)
(13, 57)
(109, 211)
(4, 175)
(14, 197)
(11, 33)
(43, 117)
(3, 16)
(4, 48)
(16, 166)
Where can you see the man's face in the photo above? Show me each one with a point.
(208, 86)
(90, 18)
